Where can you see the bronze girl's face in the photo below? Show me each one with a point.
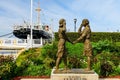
(60, 25)
(64, 22)
(85, 22)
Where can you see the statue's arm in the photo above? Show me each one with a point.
(83, 34)
(66, 37)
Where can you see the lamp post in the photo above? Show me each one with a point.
(75, 20)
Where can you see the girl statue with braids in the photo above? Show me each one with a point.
(85, 35)
(61, 53)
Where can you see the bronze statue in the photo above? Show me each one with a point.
(85, 36)
(61, 53)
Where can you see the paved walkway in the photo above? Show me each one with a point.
(50, 79)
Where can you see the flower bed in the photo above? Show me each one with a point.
(111, 77)
(31, 77)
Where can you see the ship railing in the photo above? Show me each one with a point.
(18, 27)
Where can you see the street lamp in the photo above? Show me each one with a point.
(75, 20)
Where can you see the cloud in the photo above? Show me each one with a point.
(56, 12)
(11, 13)
(104, 15)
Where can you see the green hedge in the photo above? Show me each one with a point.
(95, 37)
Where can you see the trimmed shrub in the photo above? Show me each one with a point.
(95, 36)
(106, 58)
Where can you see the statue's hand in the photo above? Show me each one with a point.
(71, 42)
(74, 42)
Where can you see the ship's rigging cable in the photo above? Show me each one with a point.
(11, 36)
(6, 34)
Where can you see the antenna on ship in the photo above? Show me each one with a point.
(38, 10)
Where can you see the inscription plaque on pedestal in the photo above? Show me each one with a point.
(74, 74)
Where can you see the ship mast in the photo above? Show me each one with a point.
(31, 15)
(38, 11)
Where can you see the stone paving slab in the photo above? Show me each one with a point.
(110, 79)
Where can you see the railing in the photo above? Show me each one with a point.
(21, 43)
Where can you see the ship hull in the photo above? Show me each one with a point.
(37, 34)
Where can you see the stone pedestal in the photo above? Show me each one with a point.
(73, 74)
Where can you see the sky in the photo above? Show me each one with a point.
(103, 15)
